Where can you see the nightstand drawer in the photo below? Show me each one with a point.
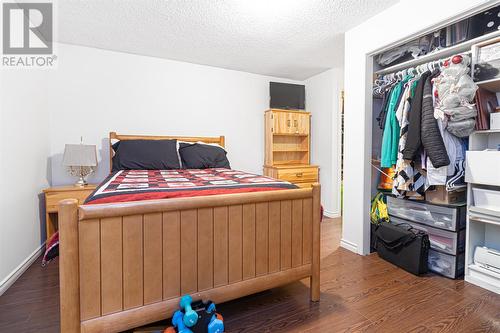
(299, 175)
(52, 198)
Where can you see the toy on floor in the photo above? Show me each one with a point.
(196, 317)
(178, 322)
(190, 316)
(209, 321)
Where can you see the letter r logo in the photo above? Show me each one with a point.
(27, 28)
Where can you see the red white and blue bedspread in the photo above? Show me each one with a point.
(134, 185)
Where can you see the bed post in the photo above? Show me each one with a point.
(68, 266)
(316, 238)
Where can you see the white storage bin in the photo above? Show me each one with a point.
(441, 240)
(446, 264)
(483, 167)
(450, 218)
(488, 199)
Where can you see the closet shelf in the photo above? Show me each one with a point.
(484, 215)
(443, 53)
(487, 131)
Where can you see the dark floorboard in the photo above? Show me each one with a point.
(357, 294)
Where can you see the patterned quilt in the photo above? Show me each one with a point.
(134, 185)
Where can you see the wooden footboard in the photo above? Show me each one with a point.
(125, 265)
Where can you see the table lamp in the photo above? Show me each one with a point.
(81, 161)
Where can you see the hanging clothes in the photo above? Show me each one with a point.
(408, 182)
(432, 141)
(390, 137)
(414, 142)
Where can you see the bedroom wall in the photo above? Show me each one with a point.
(24, 148)
(376, 33)
(96, 91)
(323, 101)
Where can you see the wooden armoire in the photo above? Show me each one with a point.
(287, 147)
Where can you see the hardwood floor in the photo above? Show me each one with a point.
(357, 294)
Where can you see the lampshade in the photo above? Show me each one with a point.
(80, 155)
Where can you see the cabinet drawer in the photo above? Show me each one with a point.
(442, 217)
(446, 264)
(52, 199)
(441, 240)
(299, 175)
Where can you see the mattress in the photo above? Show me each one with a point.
(136, 185)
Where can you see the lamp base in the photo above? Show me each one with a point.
(81, 182)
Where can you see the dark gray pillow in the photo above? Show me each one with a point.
(200, 156)
(145, 155)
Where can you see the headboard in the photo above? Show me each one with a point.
(220, 140)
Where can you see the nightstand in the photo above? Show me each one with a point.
(55, 194)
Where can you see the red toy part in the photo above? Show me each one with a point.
(169, 330)
(457, 59)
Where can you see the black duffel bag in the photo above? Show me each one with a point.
(403, 246)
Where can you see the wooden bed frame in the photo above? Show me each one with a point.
(124, 265)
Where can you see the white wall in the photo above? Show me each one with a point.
(24, 149)
(95, 91)
(378, 32)
(323, 101)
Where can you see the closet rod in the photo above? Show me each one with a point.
(440, 61)
(443, 53)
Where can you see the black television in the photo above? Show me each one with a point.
(287, 96)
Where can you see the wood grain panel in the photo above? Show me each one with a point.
(248, 212)
(132, 262)
(111, 265)
(296, 232)
(220, 246)
(189, 262)
(307, 231)
(274, 236)
(261, 237)
(205, 249)
(171, 254)
(286, 234)
(90, 269)
(235, 240)
(153, 272)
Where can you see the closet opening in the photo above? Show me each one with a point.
(430, 98)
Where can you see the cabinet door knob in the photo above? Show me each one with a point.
(288, 122)
(299, 174)
(296, 123)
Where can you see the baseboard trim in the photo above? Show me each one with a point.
(19, 270)
(349, 245)
(330, 214)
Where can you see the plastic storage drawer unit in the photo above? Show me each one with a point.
(450, 217)
(446, 264)
(441, 240)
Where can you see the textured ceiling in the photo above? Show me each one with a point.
(285, 38)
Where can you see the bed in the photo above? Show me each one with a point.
(125, 264)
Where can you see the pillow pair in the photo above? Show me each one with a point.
(163, 155)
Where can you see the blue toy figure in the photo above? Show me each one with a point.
(177, 321)
(190, 316)
(216, 324)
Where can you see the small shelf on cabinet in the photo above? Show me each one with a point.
(492, 85)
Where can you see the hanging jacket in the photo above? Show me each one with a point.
(432, 141)
(413, 141)
(390, 137)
